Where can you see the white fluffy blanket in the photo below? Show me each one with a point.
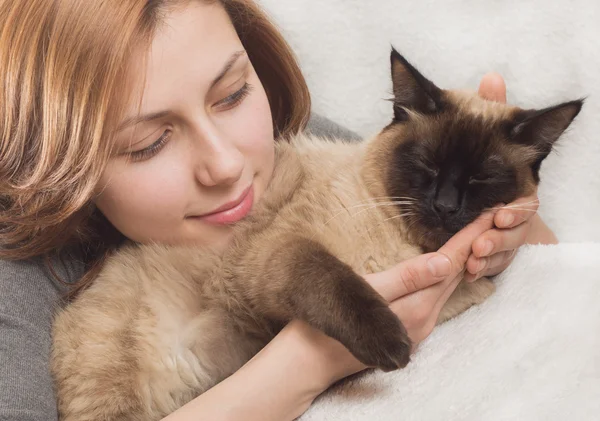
(531, 352)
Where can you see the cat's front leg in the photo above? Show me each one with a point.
(303, 280)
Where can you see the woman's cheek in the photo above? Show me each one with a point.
(145, 200)
(253, 123)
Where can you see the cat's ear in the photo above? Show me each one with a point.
(542, 128)
(412, 90)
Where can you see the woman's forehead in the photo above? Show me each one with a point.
(188, 50)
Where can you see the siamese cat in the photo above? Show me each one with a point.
(162, 324)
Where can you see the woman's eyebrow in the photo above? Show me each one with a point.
(142, 119)
(227, 67)
(160, 114)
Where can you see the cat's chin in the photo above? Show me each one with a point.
(429, 238)
(453, 226)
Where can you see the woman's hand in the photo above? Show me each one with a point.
(515, 224)
(416, 289)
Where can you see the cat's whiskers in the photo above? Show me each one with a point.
(369, 206)
(403, 215)
(379, 205)
(373, 200)
(400, 202)
(399, 216)
(517, 205)
(518, 209)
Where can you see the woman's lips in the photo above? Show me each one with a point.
(232, 212)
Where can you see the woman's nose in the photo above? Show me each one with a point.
(220, 161)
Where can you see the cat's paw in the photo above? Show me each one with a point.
(381, 340)
(330, 296)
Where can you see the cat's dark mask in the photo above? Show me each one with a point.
(457, 155)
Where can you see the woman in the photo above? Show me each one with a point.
(139, 119)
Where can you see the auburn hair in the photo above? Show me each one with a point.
(63, 67)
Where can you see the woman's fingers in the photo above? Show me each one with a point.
(475, 265)
(457, 249)
(501, 264)
(488, 266)
(517, 212)
(419, 311)
(410, 276)
(460, 246)
(424, 272)
(499, 240)
(418, 288)
(493, 87)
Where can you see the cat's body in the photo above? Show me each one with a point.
(161, 325)
(170, 322)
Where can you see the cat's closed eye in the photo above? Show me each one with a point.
(428, 168)
(482, 178)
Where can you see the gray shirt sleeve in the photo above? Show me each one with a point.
(322, 126)
(28, 298)
(29, 295)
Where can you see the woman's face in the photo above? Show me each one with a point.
(198, 151)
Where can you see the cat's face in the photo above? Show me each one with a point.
(448, 156)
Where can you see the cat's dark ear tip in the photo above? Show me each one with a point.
(580, 103)
(577, 104)
(396, 56)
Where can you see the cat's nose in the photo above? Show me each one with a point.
(445, 208)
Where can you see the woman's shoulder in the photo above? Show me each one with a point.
(55, 273)
(29, 294)
(32, 287)
(319, 125)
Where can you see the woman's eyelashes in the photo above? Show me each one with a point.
(225, 104)
(151, 150)
(235, 98)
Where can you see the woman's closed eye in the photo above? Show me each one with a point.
(235, 98)
(227, 103)
(153, 149)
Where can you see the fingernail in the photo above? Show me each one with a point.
(487, 248)
(508, 220)
(439, 266)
